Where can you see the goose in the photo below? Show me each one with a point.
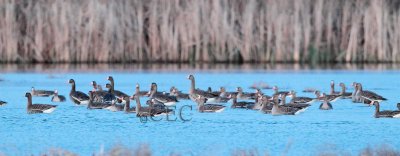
(282, 110)
(309, 90)
(276, 91)
(165, 99)
(305, 100)
(2, 103)
(246, 96)
(330, 98)
(369, 95)
(114, 107)
(179, 95)
(57, 98)
(143, 111)
(208, 108)
(127, 106)
(96, 105)
(77, 97)
(264, 105)
(193, 93)
(355, 97)
(117, 93)
(241, 104)
(325, 105)
(138, 92)
(209, 90)
(301, 106)
(38, 108)
(343, 93)
(42, 93)
(158, 108)
(385, 113)
(333, 92)
(94, 85)
(224, 93)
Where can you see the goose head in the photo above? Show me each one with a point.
(108, 86)
(332, 83)
(71, 81)
(110, 78)
(28, 95)
(341, 84)
(239, 89)
(55, 92)
(222, 89)
(190, 77)
(317, 93)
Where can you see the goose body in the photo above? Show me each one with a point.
(325, 105)
(78, 97)
(144, 111)
(301, 106)
(369, 95)
(58, 98)
(241, 104)
(42, 93)
(94, 104)
(115, 107)
(246, 96)
(38, 108)
(208, 108)
(305, 100)
(283, 109)
(386, 113)
(165, 99)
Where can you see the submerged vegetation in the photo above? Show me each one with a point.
(200, 31)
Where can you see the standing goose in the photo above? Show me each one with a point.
(94, 104)
(57, 98)
(369, 95)
(282, 110)
(165, 99)
(386, 113)
(42, 93)
(325, 105)
(241, 104)
(194, 93)
(38, 108)
(246, 96)
(77, 97)
(343, 93)
(117, 93)
(333, 92)
(208, 108)
(305, 100)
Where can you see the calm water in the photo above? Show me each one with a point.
(348, 127)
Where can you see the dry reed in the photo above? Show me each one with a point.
(92, 31)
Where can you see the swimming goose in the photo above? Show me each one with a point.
(325, 105)
(143, 111)
(330, 98)
(305, 100)
(179, 95)
(369, 95)
(138, 92)
(386, 113)
(301, 106)
(246, 96)
(117, 93)
(343, 93)
(224, 93)
(94, 84)
(209, 90)
(281, 109)
(94, 104)
(127, 106)
(193, 93)
(38, 108)
(276, 91)
(354, 95)
(241, 104)
(77, 97)
(264, 105)
(208, 108)
(2, 103)
(165, 99)
(333, 92)
(42, 93)
(57, 98)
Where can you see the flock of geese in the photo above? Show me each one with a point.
(158, 103)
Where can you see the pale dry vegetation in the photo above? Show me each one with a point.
(199, 31)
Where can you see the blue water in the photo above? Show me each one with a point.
(348, 127)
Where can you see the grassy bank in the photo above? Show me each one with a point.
(200, 31)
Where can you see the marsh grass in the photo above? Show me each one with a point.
(90, 31)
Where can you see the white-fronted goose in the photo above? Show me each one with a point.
(38, 108)
(143, 111)
(305, 100)
(42, 93)
(277, 92)
(281, 109)
(241, 104)
(117, 93)
(165, 99)
(94, 104)
(2, 103)
(77, 97)
(194, 93)
(246, 96)
(325, 105)
(301, 106)
(208, 108)
(369, 95)
(57, 98)
(127, 107)
(333, 92)
(385, 113)
(343, 93)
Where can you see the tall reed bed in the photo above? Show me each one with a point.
(199, 31)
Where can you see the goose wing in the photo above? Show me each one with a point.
(42, 107)
(165, 98)
(213, 107)
(371, 95)
(80, 96)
